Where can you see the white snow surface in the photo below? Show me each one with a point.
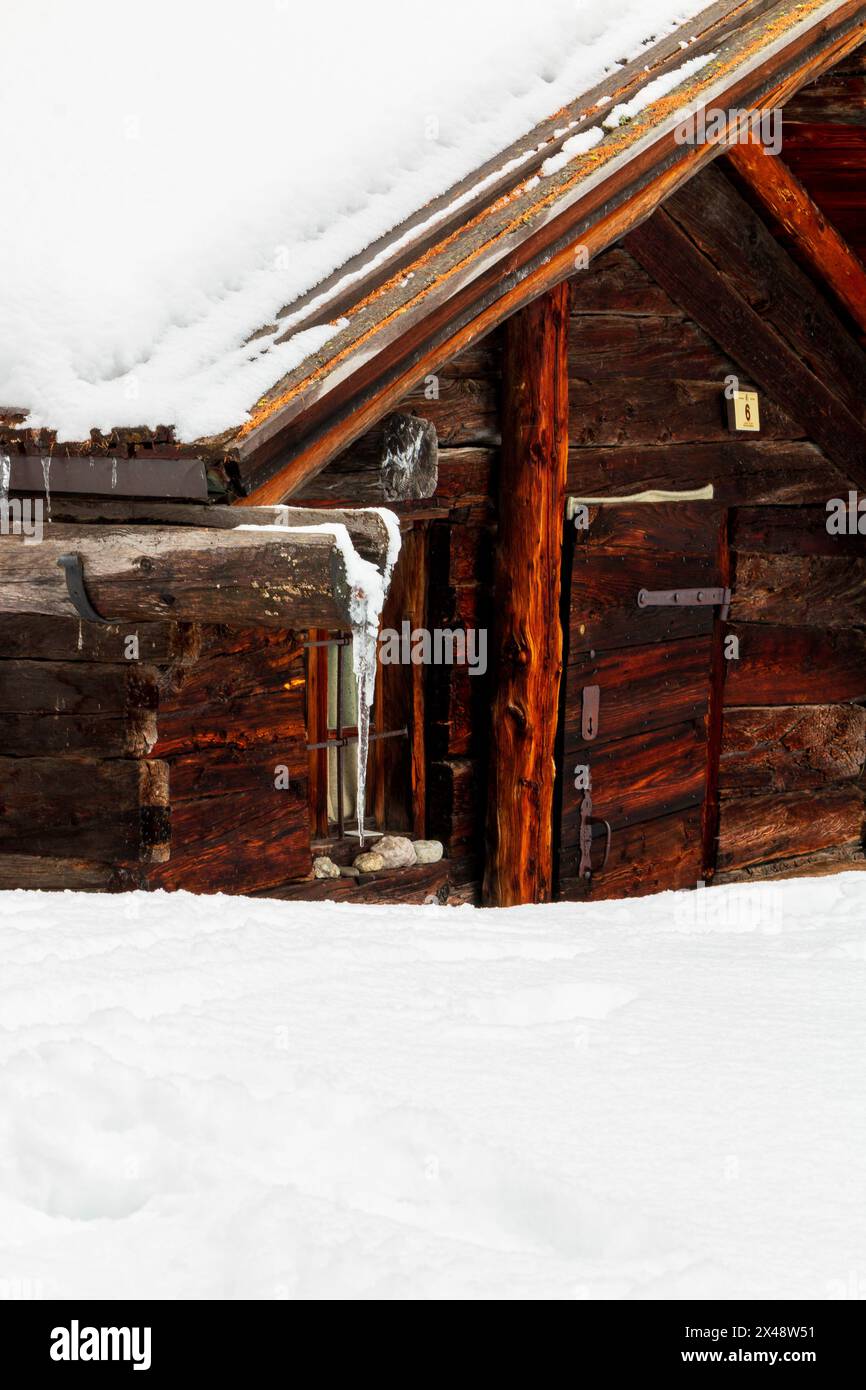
(215, 1097)
(176, 173)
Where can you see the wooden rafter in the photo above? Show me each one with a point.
(519, 247)
(821, 247)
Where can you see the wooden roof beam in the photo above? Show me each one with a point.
(826, 253)
(290, 577)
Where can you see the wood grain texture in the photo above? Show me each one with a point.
(527, 648)
(781, 665)
(141, 574)
(756, 471)
(816, 590)
(648, 857)
(816, 241)
(110, 810)
(760, 829)
(642, 688)
(718, 302)
(788, 748)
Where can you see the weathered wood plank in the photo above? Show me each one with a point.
(130, 735)
(615, 284)
(837, 860)
(645, 858)
(69, 687)
(610, 347)
(786, 748)
(822, 590)
(639, 778)
(792, 531)
(793, 213)
(720, 222)
(527, 649)
(685, 412)
(761, 829)
(796, 665)
(641, 688)
(189, 574)
(36, 638)
(40, 872)
(717, 302)
(756, 471)
(455, 804)
(88, 808)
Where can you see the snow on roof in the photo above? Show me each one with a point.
(177, 174)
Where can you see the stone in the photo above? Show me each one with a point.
(369, 863)
(323, 867)
(428, 851)
(349, 871)
(397, 852)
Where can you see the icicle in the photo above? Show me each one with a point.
(368, 587)
(5, 476)
(113, 474)
(80, 635)
(46, 475)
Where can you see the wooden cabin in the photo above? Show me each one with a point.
(617, 401)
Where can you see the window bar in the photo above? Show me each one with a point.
(340, 742)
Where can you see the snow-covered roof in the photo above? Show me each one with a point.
(176, 176)
(193, 189)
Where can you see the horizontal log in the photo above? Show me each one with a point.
(641, 688)
(649, 857)
(685, 412)
(37, 638)
(415, 885)
(741, 472)
(792, 531)
(786, 748)
(41, 872)
(836, 96)
(761, 829)
(615, 284)
(838, 860)
(296, 579)
(781, 665)
(69, 687)
(108, 810)
(131, 735)
(682, 528)
(825, 591)
(611, 347)
(465, 477)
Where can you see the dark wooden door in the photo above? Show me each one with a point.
(650, 746)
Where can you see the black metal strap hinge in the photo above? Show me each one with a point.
(685, 598)
(74, 568)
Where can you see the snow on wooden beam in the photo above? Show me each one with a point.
(286, 568)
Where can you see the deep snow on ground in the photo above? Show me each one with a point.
(178, 172)
(221, 1097)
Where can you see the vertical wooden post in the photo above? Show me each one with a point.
(527, 647)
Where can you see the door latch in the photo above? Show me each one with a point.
(685, 598)
(589, 712)
(587, 820)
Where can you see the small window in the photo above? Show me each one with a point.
(332, 729)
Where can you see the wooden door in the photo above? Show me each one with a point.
(638, 721)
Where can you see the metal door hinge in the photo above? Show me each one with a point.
(685, 598)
